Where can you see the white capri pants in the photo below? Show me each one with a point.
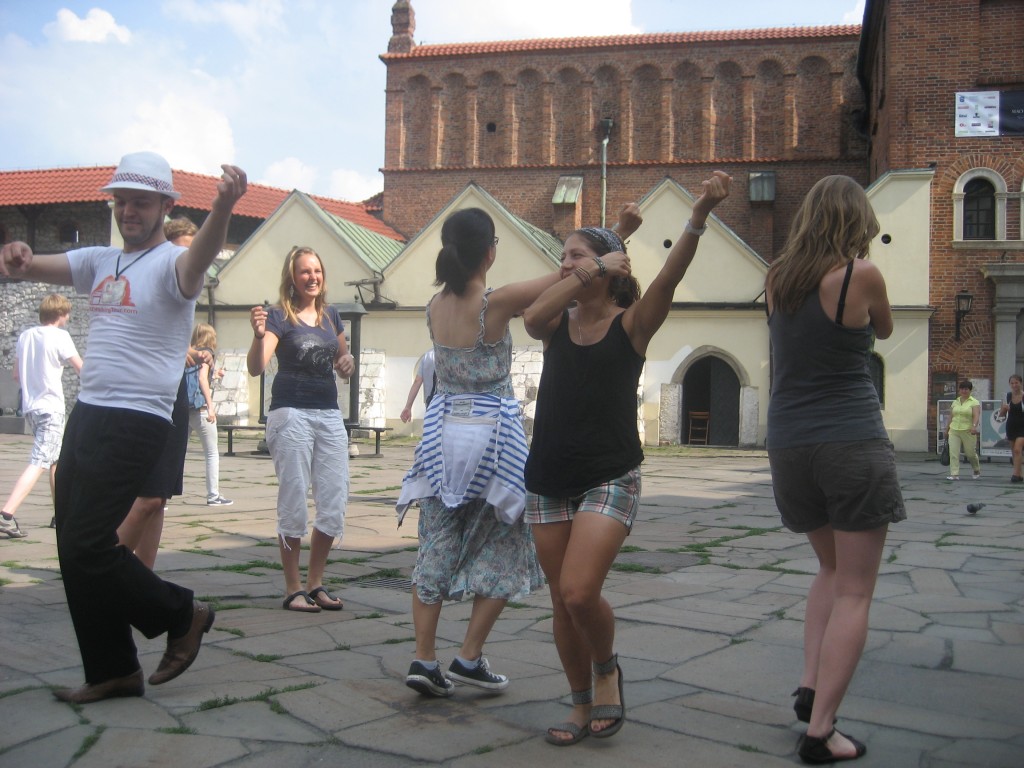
(309, 447)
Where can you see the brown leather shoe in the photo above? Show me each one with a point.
(116, 687)
(182, 651)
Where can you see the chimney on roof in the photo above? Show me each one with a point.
(403, 27)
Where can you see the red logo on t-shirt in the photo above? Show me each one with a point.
(112, 292)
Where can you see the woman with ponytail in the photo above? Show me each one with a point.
(468, 472)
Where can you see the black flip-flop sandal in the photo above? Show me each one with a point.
(312, 605)
(331, 606)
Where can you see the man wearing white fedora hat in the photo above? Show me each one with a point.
(142, 306)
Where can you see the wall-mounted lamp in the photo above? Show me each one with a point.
(761, 186)
(964, 300)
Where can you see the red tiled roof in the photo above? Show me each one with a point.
(81, 185)
(618, 41)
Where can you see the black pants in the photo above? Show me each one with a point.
(106, 455)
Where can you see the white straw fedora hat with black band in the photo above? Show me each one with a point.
(147, 171)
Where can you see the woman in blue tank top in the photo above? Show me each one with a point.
(833, 467)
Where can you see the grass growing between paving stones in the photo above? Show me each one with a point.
(383, 573)
(246, 567)
(630, 548)
(227, 701)
(89, 741)
(349, 560)
(635, 568)
(374, 615)
(262, 657)
(198, 551)
(399, 640)
(230, 631)
(16, 691)
(216, 604)
(178, 730)
(369, 491)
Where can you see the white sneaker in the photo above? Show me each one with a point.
(952, 477)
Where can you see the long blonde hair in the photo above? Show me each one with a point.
(287, 290)
(834, 224)
(204, 335)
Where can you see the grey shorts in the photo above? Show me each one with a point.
(851, 486)
(48, 433)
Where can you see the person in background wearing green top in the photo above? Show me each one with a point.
(964, 427)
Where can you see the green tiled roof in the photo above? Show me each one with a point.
(375, 250)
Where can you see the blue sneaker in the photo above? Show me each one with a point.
(429, 682)
(479, 676)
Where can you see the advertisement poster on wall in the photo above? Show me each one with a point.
(989, 113)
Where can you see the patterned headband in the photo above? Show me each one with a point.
(609, 237)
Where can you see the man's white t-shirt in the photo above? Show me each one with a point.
(139, 327)
(42, 353)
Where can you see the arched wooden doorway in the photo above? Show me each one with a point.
(711, 385)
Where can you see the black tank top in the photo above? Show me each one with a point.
(585, 432)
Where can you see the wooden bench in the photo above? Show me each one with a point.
(230, 429)
(378, 431)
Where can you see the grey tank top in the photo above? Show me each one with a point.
(821, 384)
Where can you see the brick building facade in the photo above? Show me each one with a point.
(915, 57)
(515, 117)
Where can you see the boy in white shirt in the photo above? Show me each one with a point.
(42, 353)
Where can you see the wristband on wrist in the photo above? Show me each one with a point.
(583, 276)
(694, 230)
(603, 270)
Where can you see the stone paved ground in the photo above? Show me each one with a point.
(709, 595)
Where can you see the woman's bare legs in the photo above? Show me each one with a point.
(1018, 448)
(576, 557)
(854, 557)
(291, 548)
(486, 611)
(424, 618)
(319, 549)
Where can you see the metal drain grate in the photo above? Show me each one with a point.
(403, 585)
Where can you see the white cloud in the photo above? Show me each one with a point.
(98, 26)
(193, 136)
(354, 186)
(248, 20)
(856, 16)
(290, 173)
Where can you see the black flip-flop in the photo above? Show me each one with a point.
(312, 605)
(327, 595)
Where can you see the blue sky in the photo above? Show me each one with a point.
(291, 90)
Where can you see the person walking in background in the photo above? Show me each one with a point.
(425, 377)
(42, 353)
(467, 472)
(305, 430)
(833, 467)
(583, 472)
(142, 303)
(202, 416)
(963, 430)
(1013, 412)
(143, 528)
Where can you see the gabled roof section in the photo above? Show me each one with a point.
(545, 242)
(623, 41)
(374, 249)
(82, 185)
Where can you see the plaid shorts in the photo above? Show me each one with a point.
(618, 499)
(48, 431)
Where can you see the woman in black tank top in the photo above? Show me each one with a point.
(582, 475)
(1013, 412)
